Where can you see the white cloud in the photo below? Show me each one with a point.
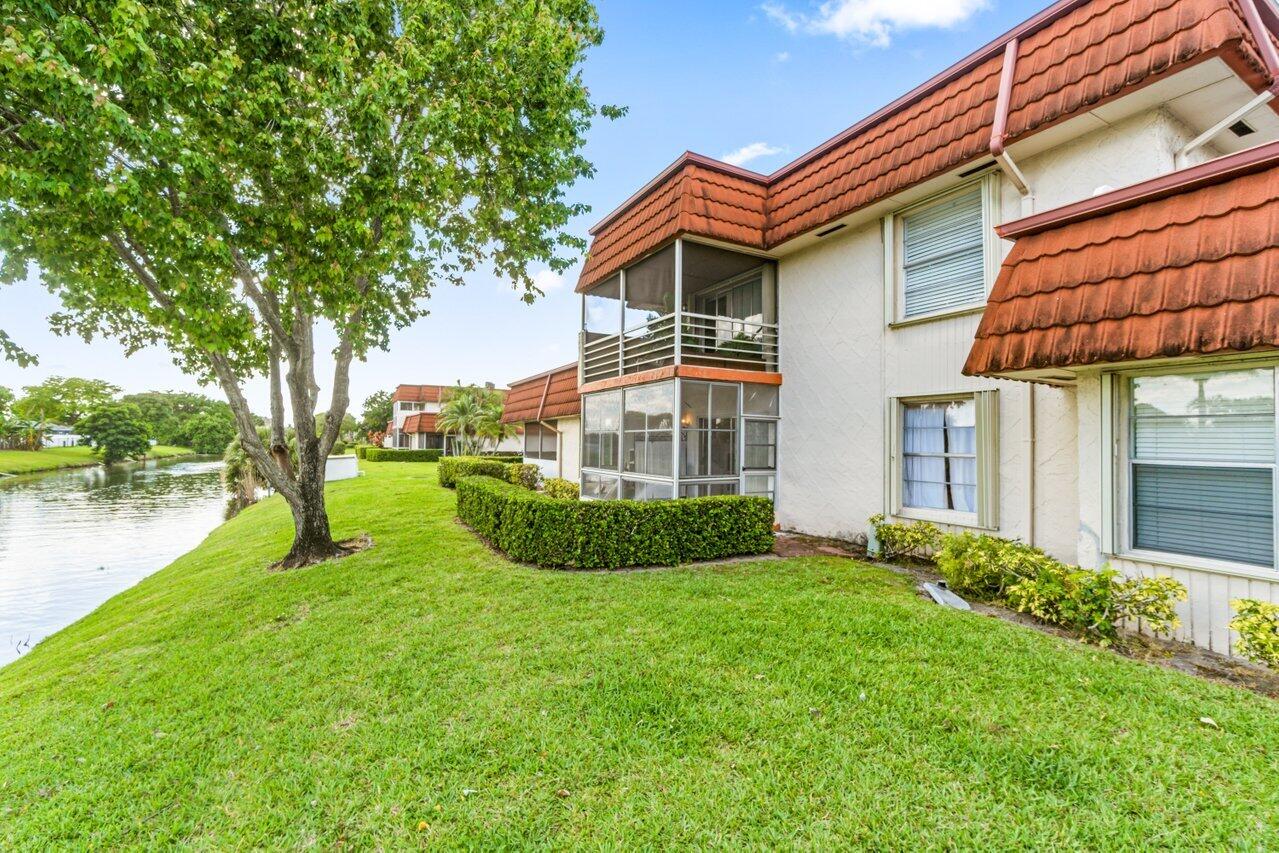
(747, 153)
(782, 57)
(874, 22)
(548, 280)
(781, 16)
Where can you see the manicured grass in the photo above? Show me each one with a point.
(427, 682)
(53, 458)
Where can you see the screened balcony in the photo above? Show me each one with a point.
(723, 303)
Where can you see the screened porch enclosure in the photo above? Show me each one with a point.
(680, 438)
(723, 303)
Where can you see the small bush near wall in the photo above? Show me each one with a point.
(391, 454)
(453, 467)
(361, 450)
(1257, 623)
(562, 490)
(915, 541)
(533, 528)
(524, 474)
(1092, 604)
(339, 449)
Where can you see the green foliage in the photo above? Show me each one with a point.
(10, 351)
(1092, 604)
(526, 475)
(389, 454)
(905, 541)
(1257, 623)
(172, 419)
(473, 416)
(454, 467)
(339, 448)
(207, 432)
(561, 490)
(533, 528)
(118, 430)
(347, 433)
(976, 564)
(376, 413)
(241, 476)
(64, 398)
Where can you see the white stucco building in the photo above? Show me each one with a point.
(1038, 296)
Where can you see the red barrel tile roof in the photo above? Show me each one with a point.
(418, 393)
(546, 396)
(1185, 264)
(1072, 57)
(424, 422)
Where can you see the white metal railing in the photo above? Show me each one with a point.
(705, 340)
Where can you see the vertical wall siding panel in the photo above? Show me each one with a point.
(1239, 588)
(1219, 606)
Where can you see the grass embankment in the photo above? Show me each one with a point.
(53, 458)
(428, 683)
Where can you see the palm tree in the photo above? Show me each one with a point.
(473, 416)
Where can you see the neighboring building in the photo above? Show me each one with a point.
(821, 335)
(548, 408)
(413, 424)
(57, 435)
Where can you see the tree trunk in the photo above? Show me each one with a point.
(312, 539)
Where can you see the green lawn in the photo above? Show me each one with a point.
(52, 458)
(810, 702)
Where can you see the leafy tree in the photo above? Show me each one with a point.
(223, 177)
(10, 351)
(346, 433)
(207, 432)
(67, 399)
(473, 416)
(118, 430)
(170, 415)
(377, 412)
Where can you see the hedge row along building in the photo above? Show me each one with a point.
(1038, 296)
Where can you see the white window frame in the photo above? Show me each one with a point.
(986, 516)
(1117, 506)
(894, 252)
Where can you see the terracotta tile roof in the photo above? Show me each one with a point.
(418, 393)
(1071, 58)
(548, 395)
(1185, 264)
(424, 422)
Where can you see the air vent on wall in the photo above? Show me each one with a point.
(975, 169)
(1242, 128)
(832, 230)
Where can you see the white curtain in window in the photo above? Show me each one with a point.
(939, 455)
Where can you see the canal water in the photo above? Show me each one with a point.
(69, 540)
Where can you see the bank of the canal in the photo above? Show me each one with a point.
(58, 458)
(69, 540)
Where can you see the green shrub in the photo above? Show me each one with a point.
(1092, 604)
(976, 564)
(1257, 623)
(361, 450)
(392, 454)
(915, 541)
(524, 474)
(507, 458)
(562, 490)
(339, 449)
(453, 467)
(531, 527)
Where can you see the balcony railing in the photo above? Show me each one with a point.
(705, 340)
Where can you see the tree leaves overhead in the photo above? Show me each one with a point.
(352, 153)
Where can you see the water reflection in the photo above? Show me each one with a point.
(70, 540)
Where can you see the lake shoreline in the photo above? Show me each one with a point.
(15, 463)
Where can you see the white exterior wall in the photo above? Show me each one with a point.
(570, 449)
(841, 362)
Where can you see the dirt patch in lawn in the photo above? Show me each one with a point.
(1171, 654)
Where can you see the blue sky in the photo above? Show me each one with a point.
(718, 77)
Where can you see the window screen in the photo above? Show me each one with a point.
(1202, 456)
(943, 255)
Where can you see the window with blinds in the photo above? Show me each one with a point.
(943, 255)
(1202, 465)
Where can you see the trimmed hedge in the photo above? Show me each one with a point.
(533, 528)
(395, 454)
(453, 467)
